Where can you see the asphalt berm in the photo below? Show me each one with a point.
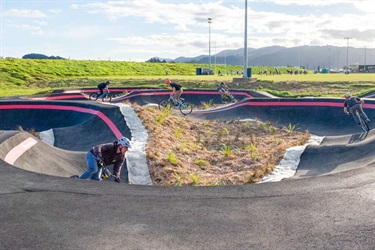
(328, 204)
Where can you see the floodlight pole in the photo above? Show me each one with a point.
(347, 51)
(209, 43)
(364, 66)
(245, 45)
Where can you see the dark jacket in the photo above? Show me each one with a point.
(102, 85)
(107, 154)
(351, 101)
(176, 86)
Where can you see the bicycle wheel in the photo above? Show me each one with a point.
(107, 98)
(164, 104)
(106, 174)
(232, 99)
(224, 98)
(93, 96)
(364, 124)
(186, 108)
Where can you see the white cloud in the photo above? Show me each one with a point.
(365, 6)
(24, 13)
(41, 23)
(171, 28)
(317, 2)
(35, 30)
(361, 5)
(54, 11)
(265, 28)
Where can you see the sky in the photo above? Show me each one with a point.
(137, 30)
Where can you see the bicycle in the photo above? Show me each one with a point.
(184, 107)
(227, 97)
(104, 174)
(106, 96)
(362, 121)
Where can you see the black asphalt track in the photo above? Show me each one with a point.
(329, 204)
(77, 125)
(320, 116)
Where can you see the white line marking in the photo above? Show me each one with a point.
(18, 150)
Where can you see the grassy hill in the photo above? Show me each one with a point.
(28, 72)
(27, 76)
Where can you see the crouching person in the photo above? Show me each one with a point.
(104, 155)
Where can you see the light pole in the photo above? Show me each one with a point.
(329, 58)
(225, 59)
(364, 66)
(245, 45)
(209, 44)
(347, 51)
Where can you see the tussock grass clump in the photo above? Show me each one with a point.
(183, 151)
(208, 104)
(30, 131)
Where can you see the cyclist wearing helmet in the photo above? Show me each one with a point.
(176, 90)
(354, 103)
(103, 86)
(222, 88)
(106, 154)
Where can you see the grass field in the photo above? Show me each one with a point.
(27, 77)
(320, 78)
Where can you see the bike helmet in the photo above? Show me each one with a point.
(347, 95)
(108, 82)
(168, 82)
(124, 142)
(222, 83)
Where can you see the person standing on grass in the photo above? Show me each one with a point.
(176, 90)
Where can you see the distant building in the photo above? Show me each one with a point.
(363, 68)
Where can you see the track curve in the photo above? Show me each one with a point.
(331, 209)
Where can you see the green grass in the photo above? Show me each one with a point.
(28, 77)
(172, 158)
(319, 78)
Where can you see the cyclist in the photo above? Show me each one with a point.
(354, 103)
(224, 92)
(176, 90)
(103, 86)
(223, 88)
(108, 153)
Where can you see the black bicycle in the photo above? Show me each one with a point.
(362, 121)
(227, 97)
(104, 174)
(184, 107)
(106, 97)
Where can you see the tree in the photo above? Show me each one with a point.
(41, 56)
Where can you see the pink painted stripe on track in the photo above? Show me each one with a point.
(194, 92)
(185, 92)
(81, 96)
(62, 97)
(102, 116)
(18, 150)
(283, 104)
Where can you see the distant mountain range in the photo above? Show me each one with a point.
(310, 57)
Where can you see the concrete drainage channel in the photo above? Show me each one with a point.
(136, 156)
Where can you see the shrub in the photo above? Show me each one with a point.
(200, 162)
(172, 158)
